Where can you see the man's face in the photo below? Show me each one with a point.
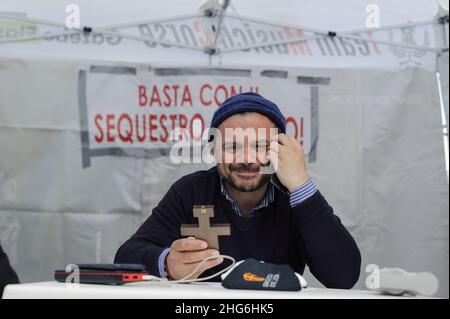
(245, 140)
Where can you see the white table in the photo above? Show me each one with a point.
(56, 290)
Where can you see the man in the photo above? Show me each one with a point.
(7, 274)
(278, 218)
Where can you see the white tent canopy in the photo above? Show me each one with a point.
(369, 99)
(310, 18)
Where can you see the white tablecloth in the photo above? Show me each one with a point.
(175, 291)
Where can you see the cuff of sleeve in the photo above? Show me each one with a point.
(161, 260)
(302, 193)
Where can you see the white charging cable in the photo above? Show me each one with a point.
(186, 279)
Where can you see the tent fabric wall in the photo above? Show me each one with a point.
(391, 168)
(379, 162)
(379, 157)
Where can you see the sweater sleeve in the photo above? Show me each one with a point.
(328, 248)
(155, 234)
(7, 274)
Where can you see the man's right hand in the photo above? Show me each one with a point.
(185, 254)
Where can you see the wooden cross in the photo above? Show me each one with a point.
(204, 230)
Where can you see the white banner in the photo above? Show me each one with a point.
(137, 111)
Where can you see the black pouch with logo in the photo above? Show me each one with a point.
(257, 275)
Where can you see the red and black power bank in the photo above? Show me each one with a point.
(113, 274)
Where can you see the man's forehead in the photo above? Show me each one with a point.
(248, 134)
(248, 126)
(247, 120)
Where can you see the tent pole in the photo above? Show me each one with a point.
(294, 40)
(408, 46)
(392, 26)
(102, 30)
(441, 35)
(221, 16)
(145, 39)
(274, 24)
(153, 21)
(302, 39)
(39, 36)
(113, 26)
(33, 20)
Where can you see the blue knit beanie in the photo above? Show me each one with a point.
(249, 102)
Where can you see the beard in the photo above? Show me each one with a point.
(246, 182)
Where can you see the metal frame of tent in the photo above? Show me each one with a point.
(219, 13)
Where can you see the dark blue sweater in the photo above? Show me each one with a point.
(307, 234)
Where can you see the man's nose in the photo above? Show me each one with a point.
(247, 156)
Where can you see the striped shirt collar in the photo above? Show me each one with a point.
(265, 202)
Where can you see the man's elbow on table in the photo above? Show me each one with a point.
(346, 276)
